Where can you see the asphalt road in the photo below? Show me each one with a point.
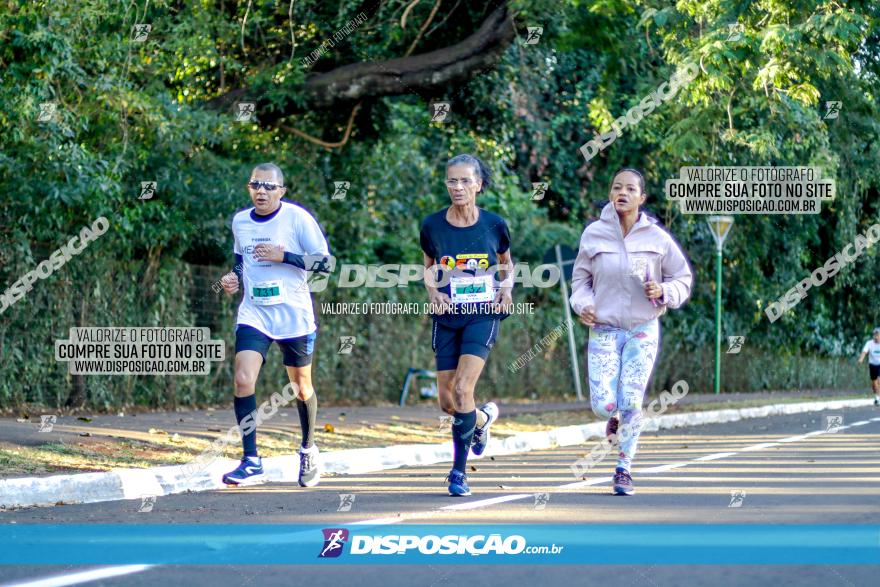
(824, 478)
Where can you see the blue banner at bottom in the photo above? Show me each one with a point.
(196, 544)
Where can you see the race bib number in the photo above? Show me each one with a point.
(267, 293)
(472, 290)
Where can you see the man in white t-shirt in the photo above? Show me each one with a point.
(276, 243)
(872, 351)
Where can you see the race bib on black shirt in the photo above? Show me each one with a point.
(466, 261)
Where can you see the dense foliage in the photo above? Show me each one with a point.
(162, 108)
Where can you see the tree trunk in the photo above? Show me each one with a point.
(418, 74)
(79, 393)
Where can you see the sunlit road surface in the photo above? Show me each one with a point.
(780, 470)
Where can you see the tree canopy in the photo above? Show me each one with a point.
(92, 104)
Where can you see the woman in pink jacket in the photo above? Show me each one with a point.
(627, 273)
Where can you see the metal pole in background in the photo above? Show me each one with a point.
(575, 369)
(720, 227)
(718, 320)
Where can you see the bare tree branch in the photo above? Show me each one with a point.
(349, 84)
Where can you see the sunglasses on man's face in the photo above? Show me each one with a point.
(268, 185)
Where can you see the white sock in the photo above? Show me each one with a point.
(311, 449)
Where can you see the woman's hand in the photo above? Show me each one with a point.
(588, 316)
(653, 290)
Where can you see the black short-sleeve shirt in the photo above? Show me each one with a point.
(467, 258)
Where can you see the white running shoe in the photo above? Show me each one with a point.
(481, 435)
(309, 467)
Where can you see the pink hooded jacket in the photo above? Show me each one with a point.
(610, 271)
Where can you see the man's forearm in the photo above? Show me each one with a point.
(300, 261)
(239, 267)
(505, 273)
(507, 276)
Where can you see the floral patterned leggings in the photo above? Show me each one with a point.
(620, 363)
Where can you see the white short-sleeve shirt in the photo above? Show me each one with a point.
(873, 350)
(276, 300)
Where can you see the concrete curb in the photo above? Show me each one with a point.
(138, 483)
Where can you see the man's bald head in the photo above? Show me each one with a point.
(267, 168)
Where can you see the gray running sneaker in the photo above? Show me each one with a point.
(309, 469)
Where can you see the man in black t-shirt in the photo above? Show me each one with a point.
(465, 250)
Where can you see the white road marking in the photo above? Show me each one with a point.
(661, 468)
(472, 505)
(761, 446)
(83, 576)
(480, 503)
(587, 482)
(798, 437)
(94, 575)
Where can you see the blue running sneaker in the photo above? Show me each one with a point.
(481, 435)
(623, 482)
(248, 472)
(458, 486)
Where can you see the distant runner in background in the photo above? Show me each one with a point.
(872, 351)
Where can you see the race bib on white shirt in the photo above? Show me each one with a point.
(275, 301)
(267, 293)
(472, 290)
